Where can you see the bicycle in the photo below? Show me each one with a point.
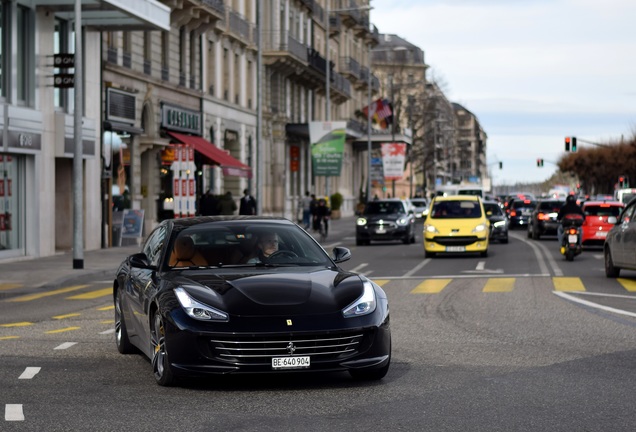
(323, 228)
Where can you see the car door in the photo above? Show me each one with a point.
(629, 239)
(621, 234)
(143, 280)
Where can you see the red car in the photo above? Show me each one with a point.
(596, 227)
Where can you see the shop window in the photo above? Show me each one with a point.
(11, 190)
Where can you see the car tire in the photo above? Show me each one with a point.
(370, 374)
(429, 254)
(160, 363)
(611, 271)
(484, 253)
(530, 232)
(407, 239)
(121, 333)
(359, 242)
(505, 240)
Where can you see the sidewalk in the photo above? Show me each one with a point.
(57, 271)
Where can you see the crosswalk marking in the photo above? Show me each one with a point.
(47, 293)
(431, 286)
(499, 285)
(568, 284)
(628, 284)
(104, 292)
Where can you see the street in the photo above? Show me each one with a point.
(519, 340)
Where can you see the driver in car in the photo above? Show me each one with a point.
(266, 245)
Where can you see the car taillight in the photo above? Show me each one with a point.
(542, 216)
(513, 213)
(572, 231)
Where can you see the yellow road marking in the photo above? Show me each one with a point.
(105, 308)
(17, 324)
(381, 282)
(8, 286)
(9, 337)
(108, 322)
(59, 317)
(431, 286)
(47, 294)
(92, 294)
(499, 285)
(628, 284)
(567, 284)
(62, 330)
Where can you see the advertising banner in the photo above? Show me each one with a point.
(327, 147)
(393, 155)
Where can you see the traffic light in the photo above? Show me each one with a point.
(567, 143)
(623, 181)
(539, 162)
(500, 165)
(573, 147)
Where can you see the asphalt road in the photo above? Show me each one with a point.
(481, 344)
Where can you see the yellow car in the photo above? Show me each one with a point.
(456, 224)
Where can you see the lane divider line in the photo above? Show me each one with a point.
(60, 317)
(47, 294)
(65, 345)
(592, 304)
(62, 330)
(30, 372)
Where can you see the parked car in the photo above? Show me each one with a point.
(519, 211)
(194, 305)
(420, 207)
(620, 243)
(386, 220)
(543, 219)
(596, 225)
(456, 224)
(498, 221)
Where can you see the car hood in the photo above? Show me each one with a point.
(374, 218)
(282, 293)
(496, 218)
(456, 227)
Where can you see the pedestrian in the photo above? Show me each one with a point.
(208, 204)
(247, 204)
(305, 205)
(227, 205)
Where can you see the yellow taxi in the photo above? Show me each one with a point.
(456, 224)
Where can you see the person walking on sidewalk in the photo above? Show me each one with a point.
(248, 204)
(305, 205)
(226, 205)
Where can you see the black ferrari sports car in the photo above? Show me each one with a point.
(204, 296)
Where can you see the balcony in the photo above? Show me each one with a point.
(342, 88)
(238, 28)
(198, 15)
(350, 68)
(373, 36)
(335, 25)
(319, 13)
(349, 11)
(281, 51)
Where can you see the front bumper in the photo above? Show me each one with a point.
(382, 232)
(455, 244)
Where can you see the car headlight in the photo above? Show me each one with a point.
(364, 305)
(430, 229)
(499, 224)
(197, 310)
(361, 221)
(402, 221)
(479, 228)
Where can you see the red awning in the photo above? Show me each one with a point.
(229, 164)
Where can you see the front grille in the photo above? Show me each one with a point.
(455, 241)
(256, 349)
(385, 225)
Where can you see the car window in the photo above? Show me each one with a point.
(384, 207)
(493, 209)
(154, 244)
(627, 215)
(602, 210)
(550, 206)
(457, 210)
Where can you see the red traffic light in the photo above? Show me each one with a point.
(567, 143)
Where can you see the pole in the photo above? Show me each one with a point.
(369, 114)
(78, 225)
(327, 81)
(392, 127)
(410, 99)
(259, 111)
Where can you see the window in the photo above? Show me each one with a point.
(147, 52)
(194, 49)
(24, 62)
(165, 55)
(154, 244)
(182, 55)
(2, 57)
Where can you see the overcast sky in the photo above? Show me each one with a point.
(532, 71)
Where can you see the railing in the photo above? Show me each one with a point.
(217, 5)
(239, 25)
(350, 65)
(342, 84)
(319, 12)
(317, 61)
(283, 41)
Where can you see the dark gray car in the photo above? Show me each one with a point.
(384, 220)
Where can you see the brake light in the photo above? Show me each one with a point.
(513, 213)
(605, 205)
(542, 216)
(526, 201)
(572, 231)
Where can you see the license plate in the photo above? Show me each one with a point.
(455, 249)
(573, 239)
(380, 231)
(290, 362)
(601, 234)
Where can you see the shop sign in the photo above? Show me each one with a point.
(25, 140)
(294, 158)
(180, 119)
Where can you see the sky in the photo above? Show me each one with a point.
(532, 71)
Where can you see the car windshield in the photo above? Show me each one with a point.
(457, 210)
(244, 243)
(383, 207)
(493, 209)
(602, 210)
(551, 206)
(419, 203)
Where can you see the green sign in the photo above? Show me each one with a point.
(327, 147)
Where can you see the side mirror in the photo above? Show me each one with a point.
(139, 260)
(612, 220)
(341, 254)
